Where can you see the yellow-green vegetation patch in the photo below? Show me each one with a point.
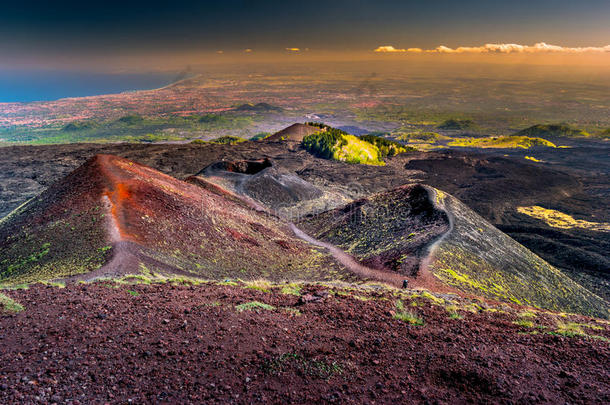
(260, 285)
(228, 140)
(406, 316)
(14, 286)
(9, 305)
(358, 151)
(526, 323)
(386, 147)
(492, 284)
(256, 306)
(291, 289)
(453, 311)
(419, 137)
(492, 265)
(432, 298)
(569, 329)
(35, 258)
(58, 284)
(503, 142)
(558, 219)
(332, 143)
(227, 282)
(352, 295)
(554, 130)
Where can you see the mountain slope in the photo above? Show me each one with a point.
(430, 237)
(112, 216)
(476, 257)
(295, 132)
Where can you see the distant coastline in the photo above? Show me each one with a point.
(41, 85)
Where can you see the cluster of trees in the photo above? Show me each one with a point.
(386, 147)
(324, 144)
(318, 125)
(457, 124)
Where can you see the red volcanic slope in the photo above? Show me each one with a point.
(113, 216)
(189, 344)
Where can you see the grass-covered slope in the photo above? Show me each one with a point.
(552, 130)
(476, 257)
(513, 141)
(113, 216)
(332, 143)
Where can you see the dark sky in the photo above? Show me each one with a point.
(269, 25)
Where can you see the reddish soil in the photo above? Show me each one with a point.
(148, 218)
(188, 344)
(575, 183)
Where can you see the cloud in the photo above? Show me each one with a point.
(540, 47)
(293, 49)
(221, 52)
(391, 49)
(248, 50)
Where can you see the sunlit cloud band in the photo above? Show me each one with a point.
(497, 48)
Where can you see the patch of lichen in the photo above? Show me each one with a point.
(477, 258)
(502, 142)
(558, 219)
(65, 247)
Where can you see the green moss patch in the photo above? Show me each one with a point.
(9, 305)
(254, 306)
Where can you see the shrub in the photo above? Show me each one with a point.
(254, 306)
(9, 305)
(228, 140)
(406, 316)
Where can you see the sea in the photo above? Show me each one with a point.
(46, 85)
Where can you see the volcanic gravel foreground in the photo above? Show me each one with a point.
(108, 342)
